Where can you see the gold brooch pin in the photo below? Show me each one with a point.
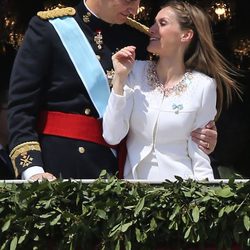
(98, 39)
(86, 17)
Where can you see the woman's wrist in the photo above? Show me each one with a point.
(118, 83)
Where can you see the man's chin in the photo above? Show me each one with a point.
(122, 19)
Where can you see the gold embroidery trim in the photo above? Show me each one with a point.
(139, 26)
(57, 12)
(23, 149)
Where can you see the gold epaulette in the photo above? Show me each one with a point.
(139, 26)
(57, 12)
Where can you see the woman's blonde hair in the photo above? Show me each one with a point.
(201, 55)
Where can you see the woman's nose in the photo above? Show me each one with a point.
(152, 29)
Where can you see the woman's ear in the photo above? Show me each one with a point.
(187, 36)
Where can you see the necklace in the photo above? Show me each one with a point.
(154, 81)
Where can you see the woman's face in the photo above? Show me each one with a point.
(165, 33)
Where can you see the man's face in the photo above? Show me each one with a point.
(3, 126)
(117, 11)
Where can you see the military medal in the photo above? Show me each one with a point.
(98, 38)
(110, 76)
(86, 17)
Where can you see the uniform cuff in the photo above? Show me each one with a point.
(28, 173)
(26, 155)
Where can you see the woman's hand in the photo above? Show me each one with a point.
(123, 61)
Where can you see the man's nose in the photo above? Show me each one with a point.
(134, 7)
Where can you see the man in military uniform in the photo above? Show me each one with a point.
(59, 89)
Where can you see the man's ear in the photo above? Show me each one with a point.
(187, 36)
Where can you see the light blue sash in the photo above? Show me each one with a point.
(85, 61)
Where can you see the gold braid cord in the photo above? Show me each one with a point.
(57, 12)
(139, 26)
(23, 149)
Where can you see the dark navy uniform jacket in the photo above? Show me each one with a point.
(44, 78)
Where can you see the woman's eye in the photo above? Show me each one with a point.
(162, 23)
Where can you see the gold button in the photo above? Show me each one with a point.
(81, 150)
(87, 111)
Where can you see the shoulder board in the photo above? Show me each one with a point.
(139, 26)
(57, 12)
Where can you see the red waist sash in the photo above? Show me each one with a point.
(78, 127)
(74, 126)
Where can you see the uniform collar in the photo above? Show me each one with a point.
(84, 2)
(94, 21)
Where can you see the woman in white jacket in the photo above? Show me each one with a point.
(157, 104)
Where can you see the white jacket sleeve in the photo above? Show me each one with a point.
(207, 111)
(117, 115)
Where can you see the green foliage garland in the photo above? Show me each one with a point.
(115, 214)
